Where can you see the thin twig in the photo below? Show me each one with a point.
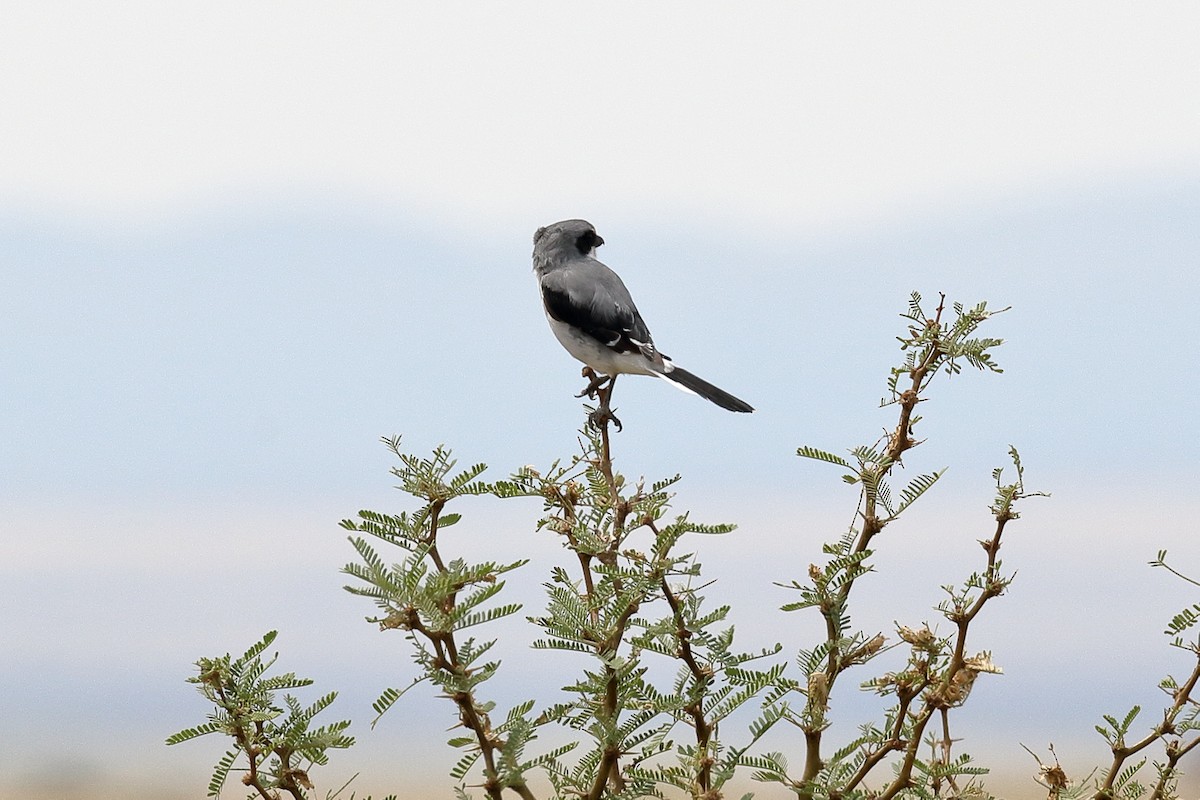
(702, 677)
(898, 442)
(1121, 753)
(609, 769)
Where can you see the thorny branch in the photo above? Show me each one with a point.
(256, 756)
(1176, 749)
(932, 692)
(703, 677)
(899, 441)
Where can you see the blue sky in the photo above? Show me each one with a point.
(240, 244)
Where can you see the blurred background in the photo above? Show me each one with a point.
(240, 242)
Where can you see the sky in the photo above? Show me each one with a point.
(239, 243)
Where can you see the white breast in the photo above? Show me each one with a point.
(600, 358)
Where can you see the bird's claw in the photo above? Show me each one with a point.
(600, 388)
(595, 382)
(602, 416)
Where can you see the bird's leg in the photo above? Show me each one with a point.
(603, 413)
(595, 381)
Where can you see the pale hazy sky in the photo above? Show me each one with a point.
(787, 113)
(241, 241)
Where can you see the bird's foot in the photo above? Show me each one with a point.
(602, 416)
(595, 382)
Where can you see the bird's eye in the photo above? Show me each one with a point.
(588, 241)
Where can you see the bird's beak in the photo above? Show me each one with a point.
(599, 241)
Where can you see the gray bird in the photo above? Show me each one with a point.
(594, 318)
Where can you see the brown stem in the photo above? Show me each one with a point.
(609, 768)
(1122, 753)
(898, 442)
(992, 588)
(702, 678)
(946, 747)
(894, 741)
(472, 719)
(253, 754)
(435, 511)
(604, 396)
(1174, 754)
(589, 587)
(812, 762)
(287, 778)
(904, 774)
(447, 658)
(248, 747)
(608, 771)
(567, 503)
(939, 698)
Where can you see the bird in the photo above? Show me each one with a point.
(594, 318)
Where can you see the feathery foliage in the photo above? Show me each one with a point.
(1177, 731)
(938, 674)
(664, 704)
(433, 601)
(279, 745)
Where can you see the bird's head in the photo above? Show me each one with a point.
(561, 241)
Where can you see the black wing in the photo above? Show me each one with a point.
(592, 298)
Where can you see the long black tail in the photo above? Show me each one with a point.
(706, 390)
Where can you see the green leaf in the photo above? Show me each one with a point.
(917, 487)
(821, 455)
(191, 733)
(463, 766)
(221, 772)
